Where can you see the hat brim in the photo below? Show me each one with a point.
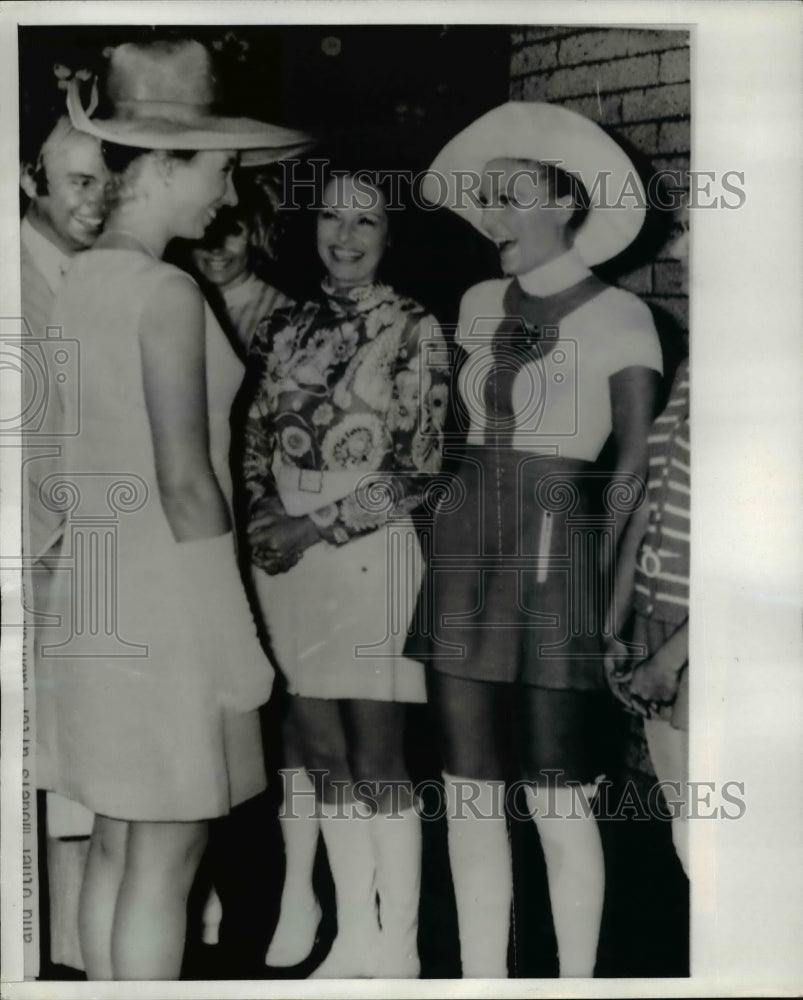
(553, 134)
(259, 142)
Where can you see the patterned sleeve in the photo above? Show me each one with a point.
(413, 425)
(259, 432)
(257, 455)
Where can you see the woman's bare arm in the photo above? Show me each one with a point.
(172, 341)
(634, 393)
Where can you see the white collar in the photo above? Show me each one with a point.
(243, 288)
(559, 273)
(50, 260)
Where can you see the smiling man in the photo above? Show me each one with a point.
(65, 181)
(66, 185)
(64, 178)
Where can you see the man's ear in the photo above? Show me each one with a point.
(28, 181)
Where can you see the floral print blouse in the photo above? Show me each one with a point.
(356, 381)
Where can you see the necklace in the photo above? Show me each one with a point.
(362, 298)
(135, 239)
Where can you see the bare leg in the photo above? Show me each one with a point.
(561, 734)
(375, 740)
(669, 752)
(101, 885)
(151, 916)
(66, 865)
(299, 911)
(211, 918)
(320, 733)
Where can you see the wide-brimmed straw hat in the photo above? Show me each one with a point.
(161, 94)
(550, 134)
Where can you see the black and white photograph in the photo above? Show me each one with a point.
(372, 614)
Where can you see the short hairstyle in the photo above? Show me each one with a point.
(119, 159)
(38, 143)
(563, 184)
(376, 162)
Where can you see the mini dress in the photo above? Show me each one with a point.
(350, 388)
(128, 720)
(513, 590)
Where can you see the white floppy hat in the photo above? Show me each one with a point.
(550, 134)
(161, 93)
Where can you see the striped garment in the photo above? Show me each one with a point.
(662, 566)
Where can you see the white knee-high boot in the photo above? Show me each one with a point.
(397, 843)
(299, 911)
(575, 873)
(349, 846)
(479, 853)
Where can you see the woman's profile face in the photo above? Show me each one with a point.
(199, 187)
(352, 232)
(679, 246)
(520, 217)
(224, 264)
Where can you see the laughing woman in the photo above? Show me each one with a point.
(234, 257)
(152, 724)
(347, 394)
(556, 362)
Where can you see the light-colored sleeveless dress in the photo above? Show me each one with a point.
(127, 722)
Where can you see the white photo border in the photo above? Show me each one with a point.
(747, 457)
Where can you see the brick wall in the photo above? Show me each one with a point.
(633, 81)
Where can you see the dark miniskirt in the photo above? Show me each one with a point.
(513, 590)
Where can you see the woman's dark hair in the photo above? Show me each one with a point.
(377, 175)
(413, 264)
(563, 184)
(372, 166)
(369, 178)
(119, 158)
(257, 212)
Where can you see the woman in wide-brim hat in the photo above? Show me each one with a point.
(556, 363)
(151, 721)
